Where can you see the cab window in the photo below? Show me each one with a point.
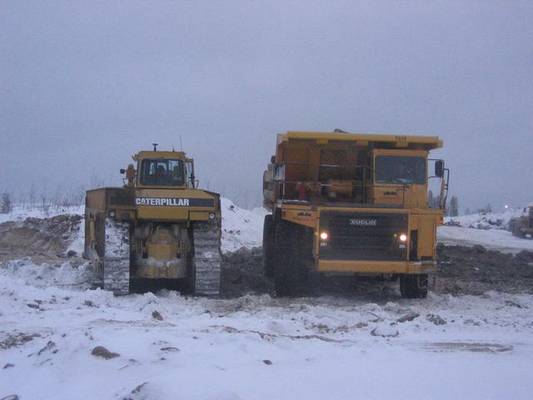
(162, 172)
(400, 170)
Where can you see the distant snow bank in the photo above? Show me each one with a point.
(485, 221)
(489, 230)
(494, 239)
(20, 213)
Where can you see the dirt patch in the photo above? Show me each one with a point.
(16, 339)
(462, 270)
(102, 352)
(43, 239)
(242, 273)
(475, 270)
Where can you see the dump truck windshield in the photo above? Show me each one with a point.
(400, 170)
(162, 172)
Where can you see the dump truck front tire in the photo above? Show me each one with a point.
(291, 260)
(268, 246)
(414, 286)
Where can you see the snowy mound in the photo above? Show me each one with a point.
(240, 227)
(485, 221)
(20, 213)
(489, 230)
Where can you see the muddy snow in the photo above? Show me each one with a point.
(60, 338)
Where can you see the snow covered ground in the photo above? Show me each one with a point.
(494, 239)
(491, 220)
(20, 213)
(241, 227)
(488, 230)
(255, 347)
(168, 346)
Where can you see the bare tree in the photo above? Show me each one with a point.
(5, 204)
(454, 206)
(32, 195)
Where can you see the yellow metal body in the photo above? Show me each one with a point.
(303, 170)
(160, 217)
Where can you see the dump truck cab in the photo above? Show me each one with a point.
(358, 204)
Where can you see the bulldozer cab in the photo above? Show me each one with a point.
(164, 169)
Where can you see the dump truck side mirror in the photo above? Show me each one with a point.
(439, 168)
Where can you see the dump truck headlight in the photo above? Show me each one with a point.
(212, 215)
(403, 237)
(324, 236)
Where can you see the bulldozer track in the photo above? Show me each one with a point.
(207, 259)
(116, 262)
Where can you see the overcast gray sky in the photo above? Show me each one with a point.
(85, 84)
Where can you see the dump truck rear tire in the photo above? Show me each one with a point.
(268, 246)
(414, 286)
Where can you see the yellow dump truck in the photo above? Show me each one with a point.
(522, 226)
(352, 204)
(159, 226)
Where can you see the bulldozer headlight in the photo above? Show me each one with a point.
(403, 237)
(324, 236)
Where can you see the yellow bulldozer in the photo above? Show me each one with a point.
(351, 204)
(159, 226)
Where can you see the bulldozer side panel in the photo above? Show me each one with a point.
(96, 199)
(98, 203)
(107, 199)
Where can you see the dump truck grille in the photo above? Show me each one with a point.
(363, 236)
